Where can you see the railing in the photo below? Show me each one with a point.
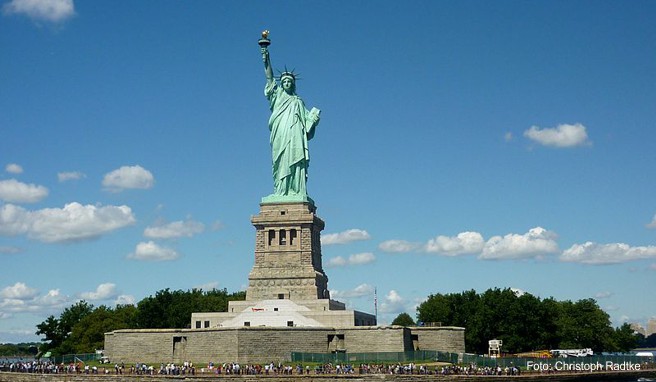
(378, 357)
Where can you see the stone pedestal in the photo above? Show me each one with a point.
(287, 254)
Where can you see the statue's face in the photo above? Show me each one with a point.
(288, 84)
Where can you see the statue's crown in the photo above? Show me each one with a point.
(288, 73)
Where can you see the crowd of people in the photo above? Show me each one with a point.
(47, 367)
(233, 368)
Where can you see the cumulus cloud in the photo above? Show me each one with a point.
(18, 291)
(345, 237)
(128, 177)
(13, 191)
(357, 259)
(125, 299)
(41, 10)
(533, 244)
(208, 286)
(71, 175)
(508, 136)
(174, 230)
(337, 261)
(23, 299)
(562, 136)
(397, 246)
(613, 253)
(152, 252)
(74, 222)
(605, 294)
(463, 244)
(359, 291)
(392, 303)
(9, 250)
(103, 292)
(13, 168)
(652, 224)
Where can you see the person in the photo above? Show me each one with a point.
(291, 126)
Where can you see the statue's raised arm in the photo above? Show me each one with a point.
(264, 44)
(291, 126)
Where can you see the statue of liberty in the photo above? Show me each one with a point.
(291, 126)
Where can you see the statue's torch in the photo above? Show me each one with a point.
(264, 44)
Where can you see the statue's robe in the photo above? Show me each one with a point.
(291, 128)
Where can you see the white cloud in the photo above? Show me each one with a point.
(357, 259)
(18, 291)
(362, 258)
(345, 237)
(13, 168)
(337, 261)
(604, 294)
(71, 175)
(462, 244)
(652, 224)
(392, 303)
(125, 299)
(74, 222)
(52, 299)
(9, 250)
(533, 244)
(24, 300)
(41, 10)
(174, 230)
(153, 252)
(508, 136)
(128, 177)
(518, 292)
(359, 291)
(103, 292)
(613, 253)
(208, 286)
(397, 246)
(14, 191)
(561, 136)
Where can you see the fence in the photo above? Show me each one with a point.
(85, 357)
(483, 361)
(466, 359)
(380, 357)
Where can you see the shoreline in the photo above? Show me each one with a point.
(563, 376)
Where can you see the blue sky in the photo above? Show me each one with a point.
(463, 145)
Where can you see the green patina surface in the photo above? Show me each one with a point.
(291, 125)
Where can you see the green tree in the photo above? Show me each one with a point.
(21, 349)
(403, 319)
(524, 322)
(172, 309)
(53, 335)
(57, 331)
(624, 338)
(650, 341)
(584, 324)
(437, 308)
(88, 334)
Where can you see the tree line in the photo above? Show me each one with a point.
(522, 321)
(81, 327)
(525, 322)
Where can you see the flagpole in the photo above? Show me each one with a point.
(376, 304)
